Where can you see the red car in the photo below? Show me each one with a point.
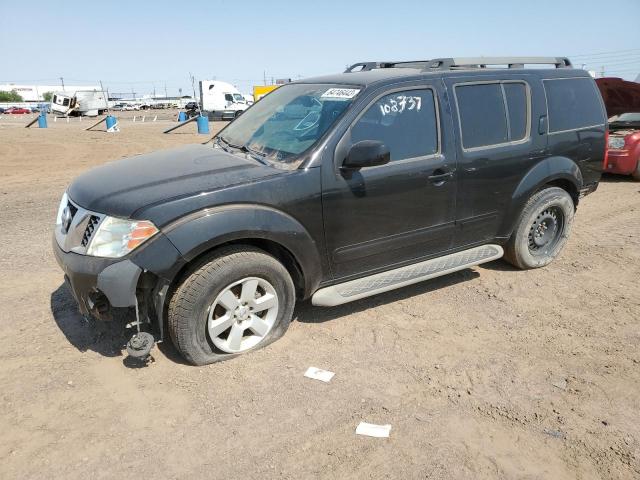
(622, 101)
(623, 155)
(17, 111)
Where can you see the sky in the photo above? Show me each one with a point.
(145, 45)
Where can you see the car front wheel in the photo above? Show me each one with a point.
(542, 229)
(238, 300)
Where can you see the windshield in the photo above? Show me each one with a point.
(628, 117)
(289, 120)
(238, 98)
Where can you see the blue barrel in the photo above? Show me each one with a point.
(42, 119)
(203, 125)
(111, 121)
(182, 116)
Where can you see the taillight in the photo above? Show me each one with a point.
(606, 150)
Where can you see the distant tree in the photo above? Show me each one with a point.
(11, 96)
(47, 96)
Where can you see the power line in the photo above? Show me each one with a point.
(597, 54)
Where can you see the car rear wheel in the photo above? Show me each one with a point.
(542, 229)
(239, 300)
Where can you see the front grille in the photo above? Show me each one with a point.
(94, 220)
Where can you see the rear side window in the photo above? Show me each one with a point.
(573, 103)
(516, 96)
(405, 122)
(483, 116)
(492, 113)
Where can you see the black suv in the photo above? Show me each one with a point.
(335, 188)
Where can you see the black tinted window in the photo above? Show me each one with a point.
(573, 103)
(516, 96)
(404, 121)
(482, 114)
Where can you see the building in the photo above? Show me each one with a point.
(34, 93)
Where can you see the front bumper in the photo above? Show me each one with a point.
(621, 161)
(98, 284)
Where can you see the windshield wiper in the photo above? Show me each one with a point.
(255, 154)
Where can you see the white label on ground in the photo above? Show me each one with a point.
(319, 374)
(343, 93)
(371, 430)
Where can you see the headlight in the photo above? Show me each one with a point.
(616, 142)
(63, 204)
(116, 237)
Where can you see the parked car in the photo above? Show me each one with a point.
(334, 188)
(119, 107)
(17, 110)
(623, 155)
(1, 110)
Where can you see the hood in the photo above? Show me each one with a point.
(120, 188)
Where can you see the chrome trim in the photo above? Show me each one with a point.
(71, 241)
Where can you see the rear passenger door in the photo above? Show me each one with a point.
(495, 122)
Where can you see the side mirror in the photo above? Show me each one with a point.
(366, 153)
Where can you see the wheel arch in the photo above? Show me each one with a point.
(559, 172)
(266, 228)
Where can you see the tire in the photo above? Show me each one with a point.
(208, 309)
(542, 229)
(237, 114)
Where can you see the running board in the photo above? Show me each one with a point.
(400, 277)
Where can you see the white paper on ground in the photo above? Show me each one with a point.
(371, 430)
(319, 374)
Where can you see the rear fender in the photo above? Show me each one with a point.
(549, 170)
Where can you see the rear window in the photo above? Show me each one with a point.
(573, 103)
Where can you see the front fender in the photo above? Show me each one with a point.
(549, 170)
(203, 230)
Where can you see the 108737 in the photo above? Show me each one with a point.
(401, 103)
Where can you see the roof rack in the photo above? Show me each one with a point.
(483, 62)
(366, 66)
(463, 63)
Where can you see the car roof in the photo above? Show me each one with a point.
(379, 75)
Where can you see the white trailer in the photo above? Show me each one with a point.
(90, 103)
(221, 100)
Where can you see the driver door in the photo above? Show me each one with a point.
(385, 216)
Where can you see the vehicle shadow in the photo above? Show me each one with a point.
(307, 313)
(106, 338)
(614, 178)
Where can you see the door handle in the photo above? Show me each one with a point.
(440, 176)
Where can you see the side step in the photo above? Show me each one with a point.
(401, 277)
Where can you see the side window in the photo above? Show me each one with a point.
(573, 103)
(516, 96)
(228, 97)
(492, 113)
(405, 122)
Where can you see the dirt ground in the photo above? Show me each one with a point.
(486, 373)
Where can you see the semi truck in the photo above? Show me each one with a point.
(221, 100)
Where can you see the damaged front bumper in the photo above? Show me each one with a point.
(99, 284)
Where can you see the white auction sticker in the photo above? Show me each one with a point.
(371, 430)
(319, 374)
(342, 93)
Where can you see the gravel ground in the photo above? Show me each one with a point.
(487, 373)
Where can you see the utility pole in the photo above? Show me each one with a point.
(62, 81)
(165, 91)
(264, 77)
(602, 71)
